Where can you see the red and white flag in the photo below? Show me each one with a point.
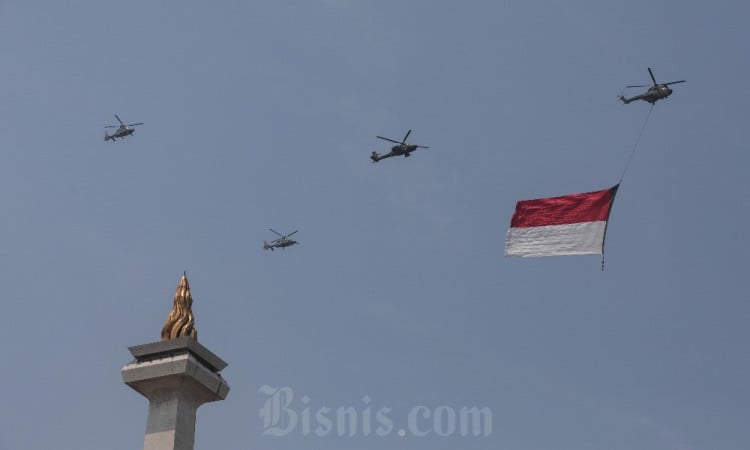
(573, 224)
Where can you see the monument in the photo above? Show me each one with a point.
(176, 375)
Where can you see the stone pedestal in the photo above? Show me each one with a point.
(176, 376)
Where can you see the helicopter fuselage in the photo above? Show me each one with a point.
(652, 95)
(124, 131)
(401, 148)
(656, 92)
(281, 243)
(120, 131)
(285, 243)
(396, 150)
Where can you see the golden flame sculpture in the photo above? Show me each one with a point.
(180, 319)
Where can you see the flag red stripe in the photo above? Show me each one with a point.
(575, 208)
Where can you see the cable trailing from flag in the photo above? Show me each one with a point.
(635, 146)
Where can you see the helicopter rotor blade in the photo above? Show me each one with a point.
(111, 126)
(637, 85)
(674, 82)
(118, 119)
(405, 137)
(291, 233)
(389, 140)
(134, 124)
(652, 76)
(422, 146)
(276, 232)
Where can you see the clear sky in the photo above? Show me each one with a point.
(262, 114)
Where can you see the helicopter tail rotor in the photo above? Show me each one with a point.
(375, 156)
(266, 246)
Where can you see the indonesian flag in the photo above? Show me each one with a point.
(573, 224)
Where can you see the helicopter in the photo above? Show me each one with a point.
(281, 242)
(397, 150)
(122, 130)
(654, 93)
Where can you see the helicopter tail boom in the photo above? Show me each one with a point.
(625, 100)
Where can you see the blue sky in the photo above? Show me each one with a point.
(263, 114)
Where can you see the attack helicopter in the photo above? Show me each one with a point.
(654, 93)
(281, 242)
(122, 130)
(397, 150)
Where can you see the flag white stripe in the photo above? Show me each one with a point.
(583, 238)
